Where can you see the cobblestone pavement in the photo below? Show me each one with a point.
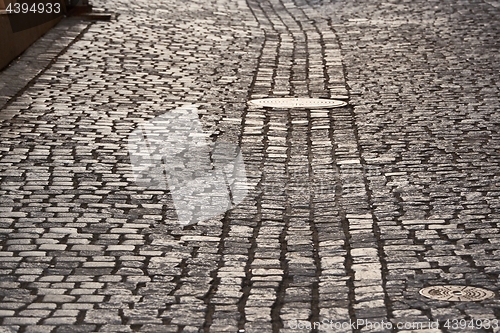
(349, 212)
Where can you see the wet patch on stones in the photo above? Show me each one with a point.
(455, 293)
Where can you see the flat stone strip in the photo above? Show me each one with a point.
(301, 47)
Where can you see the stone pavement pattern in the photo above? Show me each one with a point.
(350, 211)
(15, 78)
(423, 80)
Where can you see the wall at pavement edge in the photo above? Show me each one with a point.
(12, 44)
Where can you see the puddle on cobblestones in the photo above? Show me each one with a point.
(300, 102)
(456, 293)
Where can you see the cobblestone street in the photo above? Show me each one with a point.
(349, 212)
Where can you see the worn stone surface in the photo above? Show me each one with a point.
(349, 212)
(423, 85)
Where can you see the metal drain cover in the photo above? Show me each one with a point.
(455, 293)
(299, 102)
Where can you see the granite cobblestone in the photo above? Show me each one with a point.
(349, 211)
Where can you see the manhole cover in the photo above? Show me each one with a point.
(298, 102)
(456, 293)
